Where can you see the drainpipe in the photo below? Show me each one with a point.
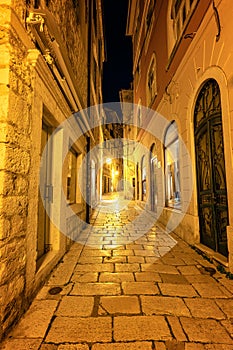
(88, 147)
(88, 184)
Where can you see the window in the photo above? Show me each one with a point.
(76, 8)
(95, 73)
(137, 74)
(151, 81)
(139, 115)
(149, 23)
(75, 3)
(180, 12)
(149, 15)
(137, 26)
(95, 17)
(71, 177)
(172, 171)
(36, 4)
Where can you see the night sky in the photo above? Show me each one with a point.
(118, 67)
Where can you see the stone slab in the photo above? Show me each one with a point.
(183, 290)
(176, 328)
(48, 347)
(194, 346)
(172, 278)
(140, 288)
(128, 328)
(120, 304)
(86, 289)
(134, 267)
(73, 347)
(74, 306)
(77, 329)
(21, 344)
(90, 260)
(136, 259)
(160, 268)
(61, 275)
(108, 267)
(158, 305)
(35, 322)
(189, 270)
(211, 290)
(124, 346)
(116, 277)
(204, 308)
(217, 347)
(147, 277)
(85, 277)
(226, 306)
(123, 252)
(205, 331)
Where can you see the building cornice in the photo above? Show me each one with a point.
(57, 59)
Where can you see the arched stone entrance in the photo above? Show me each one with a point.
(210, 168)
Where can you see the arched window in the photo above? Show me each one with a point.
(172, 171)
(179, 13)
(137, 74)
(149, 20)
(139, 114)
(151, 81)
(149, 15)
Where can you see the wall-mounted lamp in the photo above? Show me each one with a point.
(217, 19)
(36, 18)
(48, 57)
(108, 160)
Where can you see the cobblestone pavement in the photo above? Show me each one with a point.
(122, 291)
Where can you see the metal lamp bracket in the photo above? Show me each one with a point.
(36, 18)
(217, 19)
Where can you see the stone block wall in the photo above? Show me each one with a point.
(25, 91)
(15, 160)
(74, 37)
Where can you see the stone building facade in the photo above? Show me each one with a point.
(112, 170)
(51, 67)
(182, 69)
(129, 135)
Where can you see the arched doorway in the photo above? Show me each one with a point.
(153, 179)
(172, 166)
(210, 168)
(143, 177)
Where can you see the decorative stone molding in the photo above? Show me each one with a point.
(172, 91)
(32, 57)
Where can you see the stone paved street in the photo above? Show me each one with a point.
(123, 289)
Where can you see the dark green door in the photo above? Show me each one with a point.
(210, 166)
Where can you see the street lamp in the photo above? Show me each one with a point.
(108, 160)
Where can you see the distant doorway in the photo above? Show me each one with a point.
(210, 168)
(153, 178)
(143, 176)
(137, 181)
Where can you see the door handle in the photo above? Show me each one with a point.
(214, 198)
(48, 193)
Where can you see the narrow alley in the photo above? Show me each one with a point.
(116, 125)
(122, 290)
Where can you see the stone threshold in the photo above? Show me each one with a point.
(214, 257)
